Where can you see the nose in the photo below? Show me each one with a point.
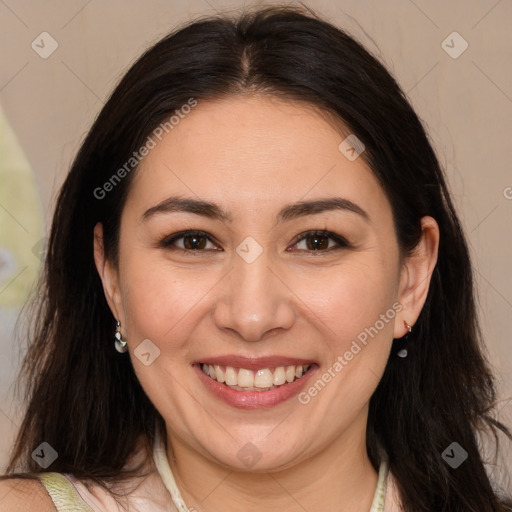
(254, 301)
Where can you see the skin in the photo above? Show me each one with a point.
(252, 155)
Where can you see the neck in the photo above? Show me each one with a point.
(338, 478)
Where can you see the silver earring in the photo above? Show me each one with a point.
(120, 344)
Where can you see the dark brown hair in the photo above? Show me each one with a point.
(85, 400)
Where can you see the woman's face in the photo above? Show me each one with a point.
(256, 295)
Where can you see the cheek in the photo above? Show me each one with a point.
(349, 298)
(357, 316)
(158, 303)
(165, 303)
(161, 305)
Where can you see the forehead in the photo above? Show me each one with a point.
(253, 152)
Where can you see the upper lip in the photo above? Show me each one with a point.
(254, 363)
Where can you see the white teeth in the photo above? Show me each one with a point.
(231, 377)
(250, 380)
(263, 379)
(290, 373)
(245, 378)
(279, 376)
(220, 374)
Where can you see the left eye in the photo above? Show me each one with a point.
(320, 241)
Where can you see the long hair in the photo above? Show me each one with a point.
(85, 400)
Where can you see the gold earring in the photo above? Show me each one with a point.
(403, 352)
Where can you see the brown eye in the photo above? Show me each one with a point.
(188, 241)
(194, 242)
(317, 242)
(320, 241)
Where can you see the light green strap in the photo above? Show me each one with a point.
(379, 497)
(63, 493)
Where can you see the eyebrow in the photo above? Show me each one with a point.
(287, 213)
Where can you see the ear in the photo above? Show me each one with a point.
(108, 274)
(416, 274)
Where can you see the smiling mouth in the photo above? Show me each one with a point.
(265, 379)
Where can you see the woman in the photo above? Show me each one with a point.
(257, 293)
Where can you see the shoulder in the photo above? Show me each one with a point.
(24, 494)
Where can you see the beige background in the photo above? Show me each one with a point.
(465, 102)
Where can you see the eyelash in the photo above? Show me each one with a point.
(168, 241)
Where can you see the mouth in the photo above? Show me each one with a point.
(263, 379)
(253, 384)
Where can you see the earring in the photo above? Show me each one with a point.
(403, 352)
(120, 344)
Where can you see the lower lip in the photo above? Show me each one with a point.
(255, 399)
